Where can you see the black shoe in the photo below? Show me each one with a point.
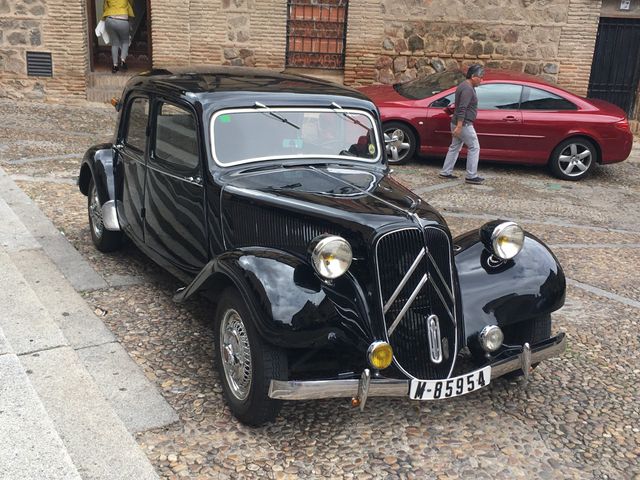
(474, 180)
(114, 69)
(123, 66)
(449, 176)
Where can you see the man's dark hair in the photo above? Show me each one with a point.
(475, 70)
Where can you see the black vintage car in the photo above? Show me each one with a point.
(270, 194)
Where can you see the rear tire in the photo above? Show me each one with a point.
(103, 239)
(246, 363)
(573, 159)
(405, 143)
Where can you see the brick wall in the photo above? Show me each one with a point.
(54, 26)
(365, 27)
(577, 43)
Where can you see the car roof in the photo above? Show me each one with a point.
(208, 82)
(493, 74)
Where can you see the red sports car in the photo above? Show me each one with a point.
(521, 119)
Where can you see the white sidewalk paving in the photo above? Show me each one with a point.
(70, 395)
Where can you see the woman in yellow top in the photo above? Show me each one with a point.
(115, 14)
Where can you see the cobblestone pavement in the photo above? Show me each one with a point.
(578, 417)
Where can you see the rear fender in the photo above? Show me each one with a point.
(98, 163)
(530, 285)
(291, 306)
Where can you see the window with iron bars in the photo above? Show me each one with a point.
(316, 33)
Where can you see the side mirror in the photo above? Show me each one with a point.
(449, 109)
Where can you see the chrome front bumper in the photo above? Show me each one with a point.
(387, 387)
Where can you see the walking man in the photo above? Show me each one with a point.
(462, 129)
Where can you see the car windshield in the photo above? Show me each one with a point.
(430, 85)
(262, 133)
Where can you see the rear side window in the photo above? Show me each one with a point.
(138, 116)
(537, 99)
(498, 96)
(176, 137)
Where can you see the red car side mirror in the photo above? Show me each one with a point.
(449, 109)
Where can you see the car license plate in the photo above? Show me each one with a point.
(450, 387)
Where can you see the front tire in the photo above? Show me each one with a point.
(103, 239)
(405, 142)
(573, 159)
(246, 363)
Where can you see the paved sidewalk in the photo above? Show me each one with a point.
(71, 398)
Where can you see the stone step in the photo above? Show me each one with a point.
(30, 443)
(102, 86)
(92, 391)
(97, 442)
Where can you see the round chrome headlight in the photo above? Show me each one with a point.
(507, 240)
(331, 256)
(491, 337)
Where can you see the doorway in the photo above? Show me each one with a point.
(140, 48)
(616, 63)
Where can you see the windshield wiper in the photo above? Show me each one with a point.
(349, 116)
(275, 115)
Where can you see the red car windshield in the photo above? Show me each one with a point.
(430, 85)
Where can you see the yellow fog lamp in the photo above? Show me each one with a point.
(380, 355)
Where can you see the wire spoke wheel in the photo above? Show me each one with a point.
(236, 354)
(95, 212)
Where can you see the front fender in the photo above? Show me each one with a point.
(98, 163)
(530, 285)
(290, 305)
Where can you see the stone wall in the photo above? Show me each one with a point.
(414, 37)
(53, 26)
(227, 32)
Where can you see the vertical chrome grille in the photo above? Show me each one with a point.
(414, 272)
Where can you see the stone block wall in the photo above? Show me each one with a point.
(411, 38)
(53, 26)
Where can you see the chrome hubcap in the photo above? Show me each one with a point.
(95, 212)
(236, 354)
(575, 159)
(399, 143)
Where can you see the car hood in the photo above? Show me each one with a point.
(384, 95)
(340, 198)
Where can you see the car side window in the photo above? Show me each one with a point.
(538, 99)
(498, 96)
(444, 101)
(138, 117)
(176, 138)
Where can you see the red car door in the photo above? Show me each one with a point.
(498, 124)
(499, 121)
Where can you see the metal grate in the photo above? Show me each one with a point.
(316, 33)
(251, 226)
(39, 64)
(395, 254)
